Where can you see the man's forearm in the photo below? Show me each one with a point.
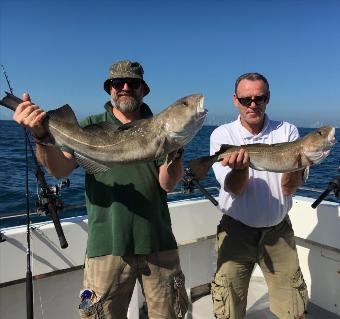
(169, 176)
(236, 181)
(58, 163)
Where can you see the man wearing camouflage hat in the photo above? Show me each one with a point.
(129, 226)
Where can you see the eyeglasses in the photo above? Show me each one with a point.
(133, 84)
(258, 100)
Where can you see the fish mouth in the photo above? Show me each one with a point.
(326, 152)
(202, 114)
(331, 140)
(200, 110)
(200, 104)
(326, 149)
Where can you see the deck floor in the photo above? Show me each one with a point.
(258, 305)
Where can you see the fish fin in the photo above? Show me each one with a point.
(169, 164)
(64, 114)
(200, 166)
(170, 158)
(224, 148)
(316, 157)
(305, 174)
(90, 166)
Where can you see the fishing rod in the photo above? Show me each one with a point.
(48, 202)
(29, 281)
(333, 185)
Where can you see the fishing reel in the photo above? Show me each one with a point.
(50, 195)
(190, 182)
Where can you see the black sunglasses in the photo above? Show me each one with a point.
(258, 100)
(133, 84)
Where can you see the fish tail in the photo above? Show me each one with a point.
(64, 114)
(200, 166)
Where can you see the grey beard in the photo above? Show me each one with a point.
(129, 106)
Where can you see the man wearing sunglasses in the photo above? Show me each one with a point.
(255, 227)
(129, 228)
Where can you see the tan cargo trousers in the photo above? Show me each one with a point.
(239, 247)
(111, 280)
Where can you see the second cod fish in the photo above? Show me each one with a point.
(311, 149)
(99, 146)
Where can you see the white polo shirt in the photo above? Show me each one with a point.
(262, 204)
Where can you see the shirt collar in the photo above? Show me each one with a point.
(247, 135)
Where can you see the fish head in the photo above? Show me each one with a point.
(317, 144)
(184, 118)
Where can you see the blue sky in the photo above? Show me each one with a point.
(60, 52)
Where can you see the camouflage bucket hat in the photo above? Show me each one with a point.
(125, 69)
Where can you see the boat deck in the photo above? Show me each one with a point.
(58, 272)
(258, 305)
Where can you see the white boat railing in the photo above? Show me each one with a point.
(195, 194)
(214, 190)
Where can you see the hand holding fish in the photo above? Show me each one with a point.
(236, 160)
(30, 116)
(237, 179)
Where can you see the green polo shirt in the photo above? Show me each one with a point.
(127, 208)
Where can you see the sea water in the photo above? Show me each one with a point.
(13, 174)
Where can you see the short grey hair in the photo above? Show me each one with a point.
(252, 77)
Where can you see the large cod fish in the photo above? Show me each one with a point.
(99, 146)
(311, 149)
